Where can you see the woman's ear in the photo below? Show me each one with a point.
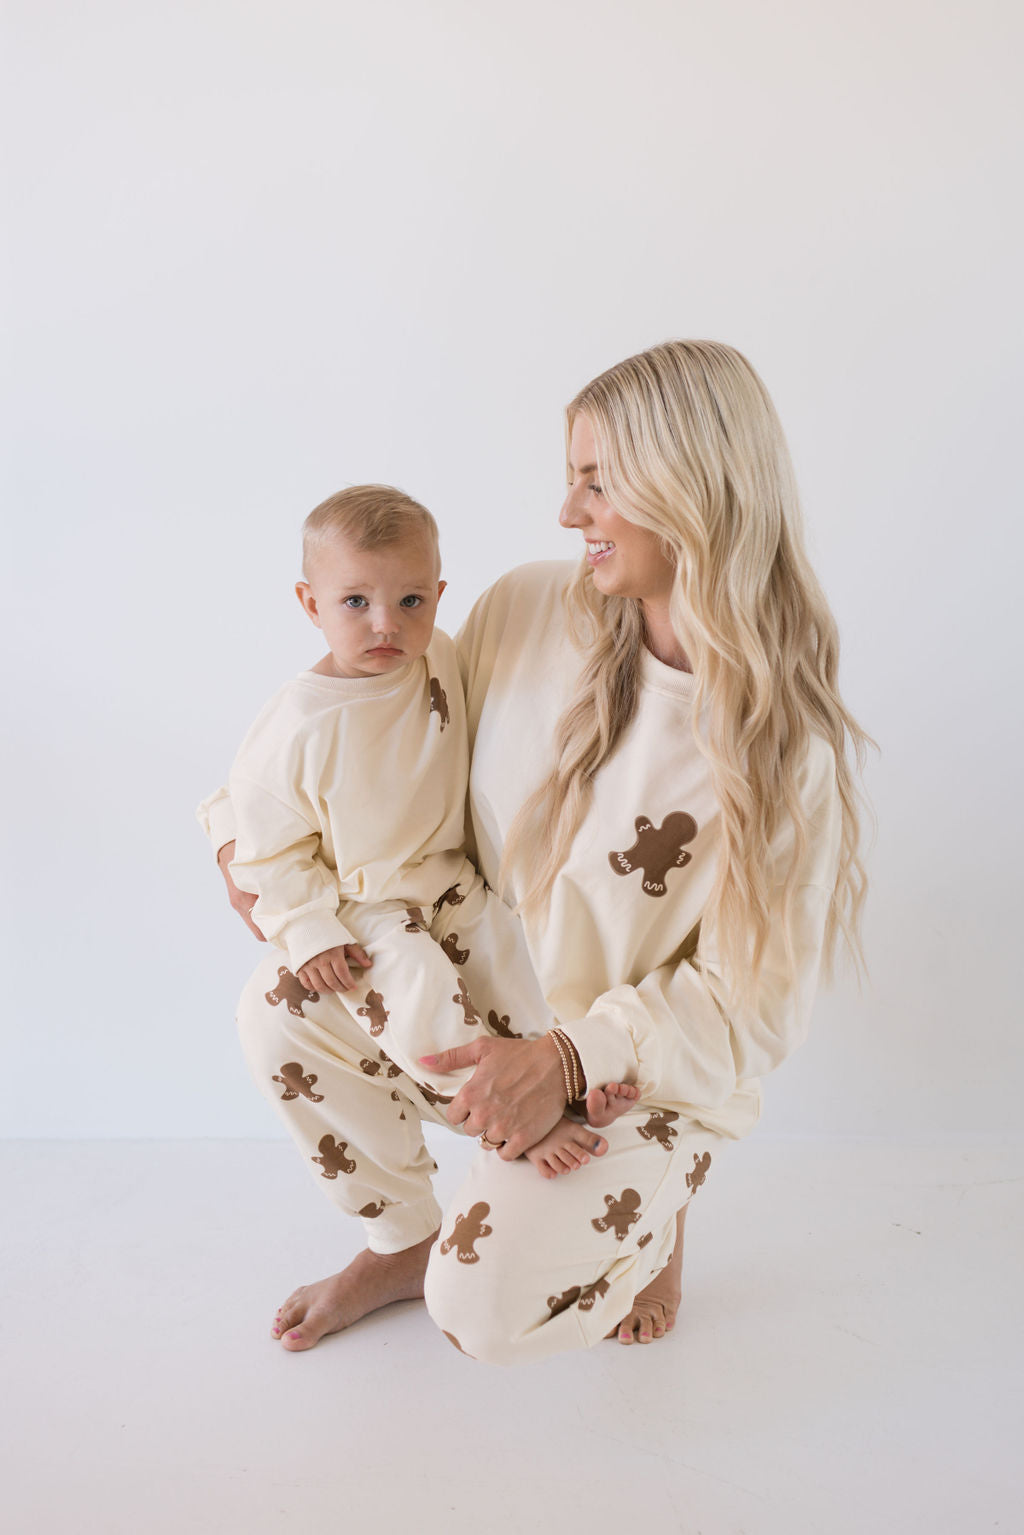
(440, 588)
(304, 592)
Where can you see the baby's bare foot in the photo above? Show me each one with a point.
(565, 1148)
(605, 1104)
(371, 1280)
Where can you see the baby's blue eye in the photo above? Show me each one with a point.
(410, 602)
(355, 602)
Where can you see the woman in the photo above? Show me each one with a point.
(660, 783)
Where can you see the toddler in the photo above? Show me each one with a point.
(349, 793)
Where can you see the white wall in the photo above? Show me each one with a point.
(259, 251)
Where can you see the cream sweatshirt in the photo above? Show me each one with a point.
(350, 789)
(626, 966)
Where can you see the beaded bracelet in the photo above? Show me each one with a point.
(572, 1067)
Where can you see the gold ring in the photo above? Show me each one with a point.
(490, 1145)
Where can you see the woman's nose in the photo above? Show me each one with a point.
(568, 517)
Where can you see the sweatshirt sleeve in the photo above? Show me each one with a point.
(217, 818)
(676, 1035)
(277, 859)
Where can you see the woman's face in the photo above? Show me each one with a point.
(626, 560)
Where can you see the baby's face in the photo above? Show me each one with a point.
(376, 607)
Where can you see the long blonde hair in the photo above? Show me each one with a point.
(689, 446)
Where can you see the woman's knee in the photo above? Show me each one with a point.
(488, 1315)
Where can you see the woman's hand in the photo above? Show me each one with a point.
(515, 1095)
(242, 902)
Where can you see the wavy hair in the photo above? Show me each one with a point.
(689, 446)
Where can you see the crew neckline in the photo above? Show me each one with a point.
(361, 687)
(664, 678)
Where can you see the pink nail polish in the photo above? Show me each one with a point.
(295, 1335)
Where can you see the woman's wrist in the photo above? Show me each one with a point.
(573, 1077)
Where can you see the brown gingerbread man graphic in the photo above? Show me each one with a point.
(294, 1083)
(657, 849)
(593, 1293)
(648, 1236)
(559, 1303)
(622, 1213)
(396, 1099)
(501, 1025)
(470, 1016)
(468, 1229)
(375, 1011)
(449, 897)
(371, 1211)
(417, 922)
(439, 702)
(695, 1180)
(450, 945)
(290, 990)
(659, 1128)
(432, 1098)
(332, 1157)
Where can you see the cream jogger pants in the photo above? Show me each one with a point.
(525, 1266)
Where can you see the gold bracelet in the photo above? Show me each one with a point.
(578, 1086)
(553, 1035)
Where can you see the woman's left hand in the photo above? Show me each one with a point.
(515, 1095)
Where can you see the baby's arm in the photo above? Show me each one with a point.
(278, 859)
(330, 971)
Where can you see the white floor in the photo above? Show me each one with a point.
(848, 1360)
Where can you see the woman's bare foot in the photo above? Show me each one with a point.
(605, 1104)
(371, 1281)
(565, 1148)
(653, 1312)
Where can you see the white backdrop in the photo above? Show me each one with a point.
(259, 251)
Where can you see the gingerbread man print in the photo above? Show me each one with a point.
(450, 945)
(695, 1180)
(295, 1082)
(332, 1157)
(656, 850)
(468, 1229)
(501, 1025)
(593, 1293)
(439, 702)
(371, 1211)
(290, 990)
(659, 1127)
(621, 1214)
(470, 1016)
(375, 1011)
(560, 1303)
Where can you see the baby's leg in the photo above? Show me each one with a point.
(485, 942)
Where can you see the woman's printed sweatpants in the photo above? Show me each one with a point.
(525, 1266)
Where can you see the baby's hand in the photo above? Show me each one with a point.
(330, 971)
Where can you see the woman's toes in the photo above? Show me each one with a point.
(298, 1338)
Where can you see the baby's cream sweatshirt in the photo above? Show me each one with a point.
(350, 789)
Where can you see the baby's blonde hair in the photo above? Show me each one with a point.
(690, 448)
(372, 517)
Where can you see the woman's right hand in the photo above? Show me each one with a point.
(241, 900)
